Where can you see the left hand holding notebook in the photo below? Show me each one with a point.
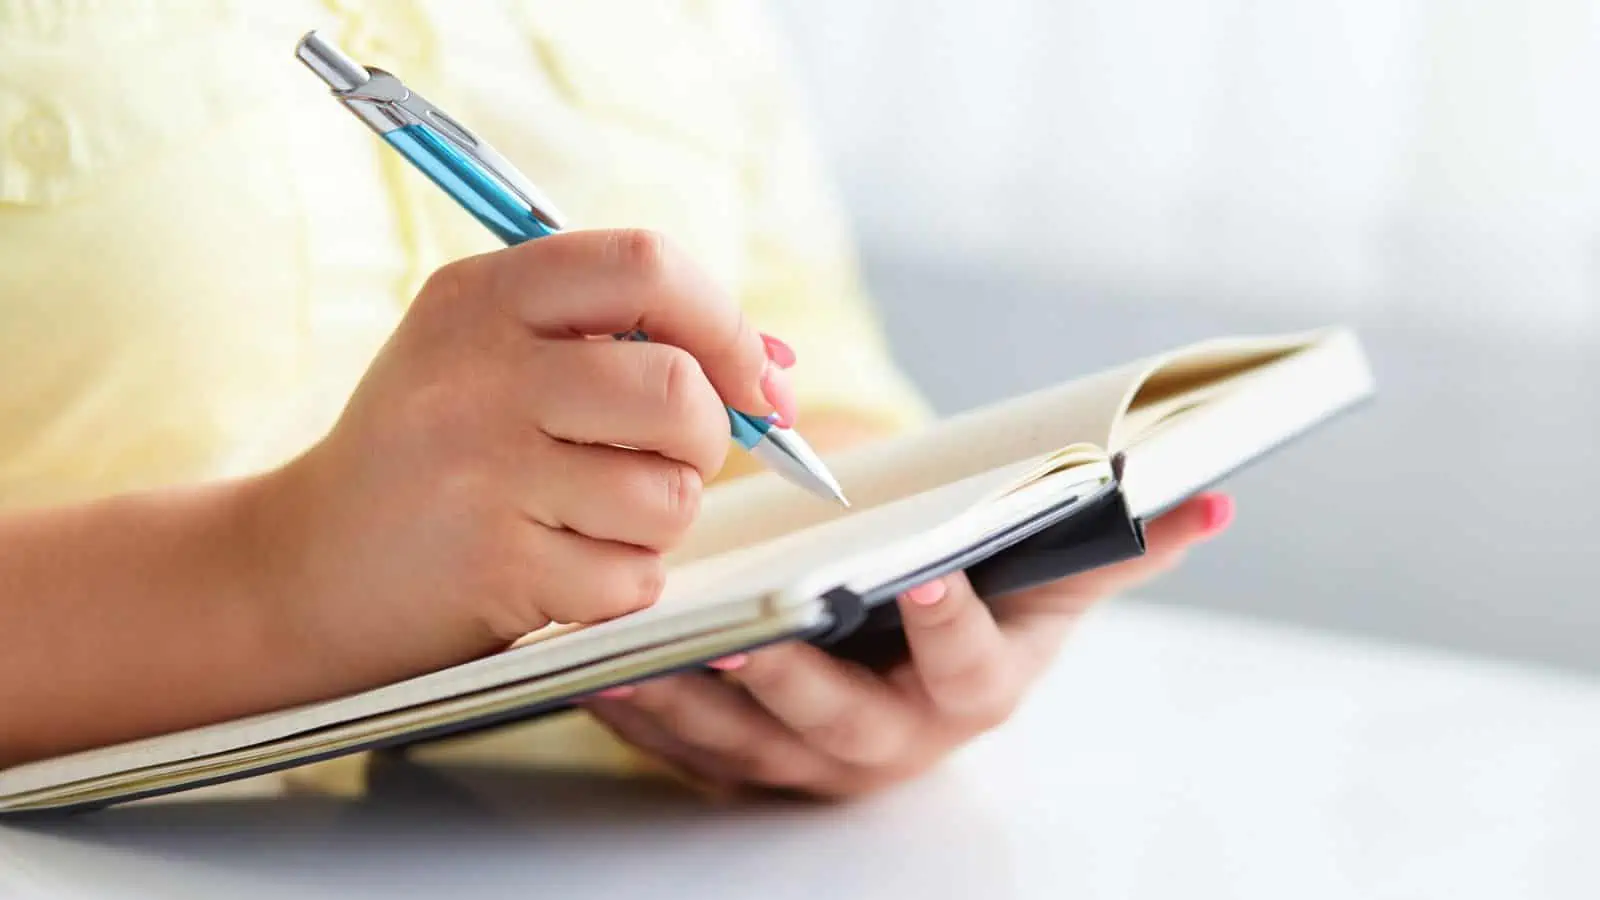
(796, 717)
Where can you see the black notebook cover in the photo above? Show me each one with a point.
(1097, 533)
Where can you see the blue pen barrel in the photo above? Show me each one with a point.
(748, 430)
(504, 215)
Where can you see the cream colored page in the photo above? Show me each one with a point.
(1086, 410)
(772, 565)
(762, 507)
(1147, 415)
(1199, 373)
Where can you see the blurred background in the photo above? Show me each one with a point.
(1107, 179)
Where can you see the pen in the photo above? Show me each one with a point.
(493, 191)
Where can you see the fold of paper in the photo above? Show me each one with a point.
(1193, 440)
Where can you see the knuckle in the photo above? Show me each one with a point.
(456, 281)
(677, 383)
(646, 587)
(705, 413)
(741, 336)
(677, 377)
(682, 501)
(639, 252)
(613, 588)
(444, 284)
(630, 587)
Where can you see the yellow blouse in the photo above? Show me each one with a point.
(200, 250)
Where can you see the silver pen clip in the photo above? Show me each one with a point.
(384, 103)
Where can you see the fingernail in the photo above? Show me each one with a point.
(780, 353)
(778, 392)
(1217, 512)
(926, 594)
(730, 663)
(618, 692)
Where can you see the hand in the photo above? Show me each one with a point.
(477, 486)
(793, 717)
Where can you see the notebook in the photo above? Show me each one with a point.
(1017, 493)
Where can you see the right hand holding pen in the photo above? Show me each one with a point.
(476, 487)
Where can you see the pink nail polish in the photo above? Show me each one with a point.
(926, 594)
(618, 692)
(1218, 513)
(781, 354)
(778, 392)
(730, 663)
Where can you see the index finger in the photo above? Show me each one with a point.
(585, 283)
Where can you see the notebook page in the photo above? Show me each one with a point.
(762, 507)
(1088, 410)
(1147, 415)
(1190, 376)
(1253, 412)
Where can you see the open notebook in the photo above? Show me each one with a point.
(1017, 493)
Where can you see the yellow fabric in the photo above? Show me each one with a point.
(200, 250)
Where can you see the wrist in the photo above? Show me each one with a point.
(273, 520)
(323, 579)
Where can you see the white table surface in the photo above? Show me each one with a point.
(1170, 754)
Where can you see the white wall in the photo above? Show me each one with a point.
(1412, 159)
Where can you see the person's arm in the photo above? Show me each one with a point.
(140, 614)
(474, 489)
